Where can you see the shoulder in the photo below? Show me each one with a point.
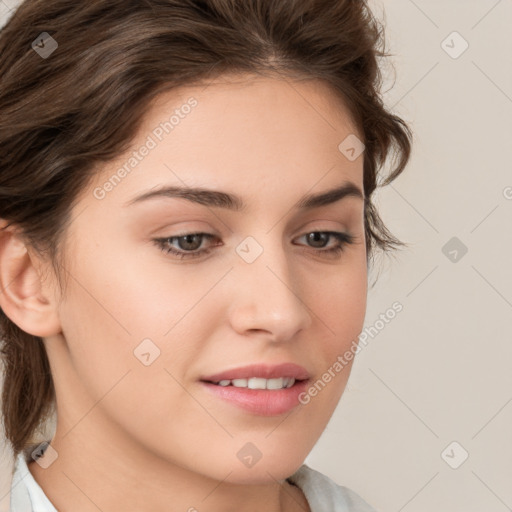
(324, 494)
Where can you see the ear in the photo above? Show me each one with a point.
(25, 297)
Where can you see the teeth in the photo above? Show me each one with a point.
(291, 382)
(260, 383)
(274, 383)
(257, 383)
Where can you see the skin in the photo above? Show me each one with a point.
(136, 437)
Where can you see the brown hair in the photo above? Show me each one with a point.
(82, 105)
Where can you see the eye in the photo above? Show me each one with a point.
(319, 237)
(189, 244)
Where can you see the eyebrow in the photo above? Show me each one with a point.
(219, 199)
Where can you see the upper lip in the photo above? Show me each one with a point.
(264, 371)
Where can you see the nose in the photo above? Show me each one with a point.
(267, 297)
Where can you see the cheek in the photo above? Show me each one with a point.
(120, 314)
(126, 368)
(339, 302)
(340, 306)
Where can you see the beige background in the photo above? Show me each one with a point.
(439, 372)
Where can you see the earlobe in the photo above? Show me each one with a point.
(25, 296)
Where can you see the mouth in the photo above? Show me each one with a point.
(255, 374)
(255, 383)
(261, 389)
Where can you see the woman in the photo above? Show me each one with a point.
(187, 225)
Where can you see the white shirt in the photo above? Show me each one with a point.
(322, 493)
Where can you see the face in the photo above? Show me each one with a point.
(259, 282)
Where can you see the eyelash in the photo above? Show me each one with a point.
(344, 239)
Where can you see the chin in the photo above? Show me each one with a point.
(266, 470)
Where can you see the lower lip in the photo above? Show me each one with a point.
(264, 402)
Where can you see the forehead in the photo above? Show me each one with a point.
(240, 132)
(285, 99)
